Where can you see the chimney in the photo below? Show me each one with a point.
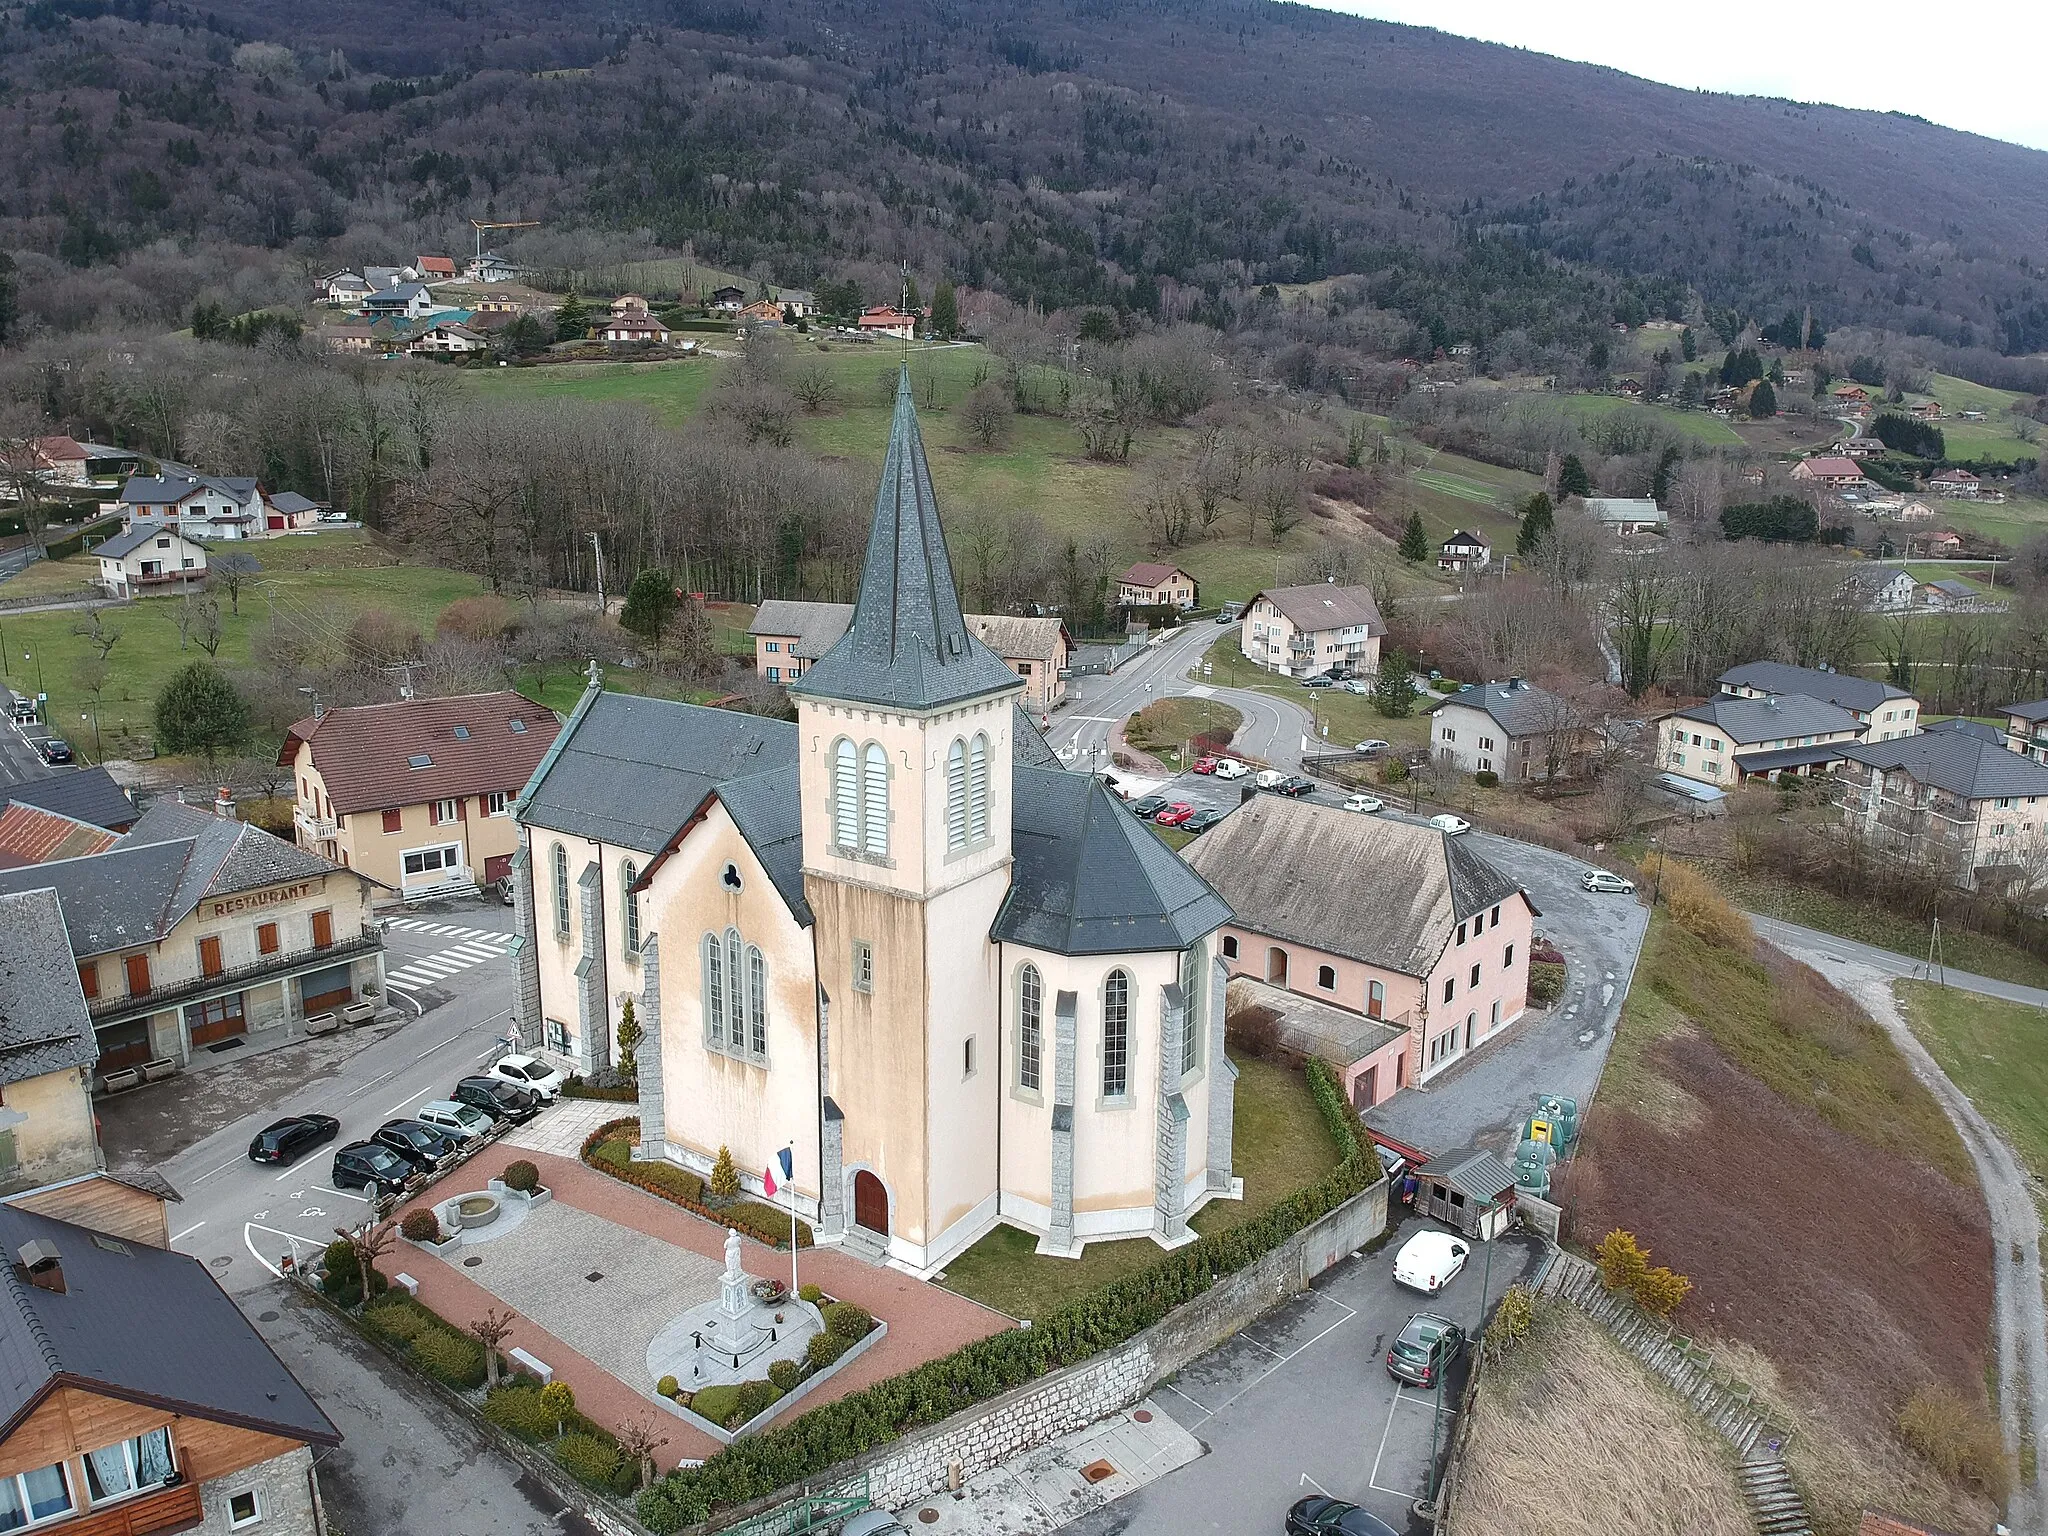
(1516, 685)
(224, 803)
(41, 1263)
(319, 709)
(1770, 701)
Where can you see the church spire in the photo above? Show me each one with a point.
(907, 646)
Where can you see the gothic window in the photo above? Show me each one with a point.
(977, 788)
(629, 902)
(1030, 1026)
(714, 991)
(1192, 972)
(735, 989)
(560, 860)
(1116, 1035)
(874, 801)
(845, 795)
(757, 1002)
(956, 796)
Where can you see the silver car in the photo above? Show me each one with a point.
(1605, 881)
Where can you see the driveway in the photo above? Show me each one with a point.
(1790, 937)
(1301, 1402)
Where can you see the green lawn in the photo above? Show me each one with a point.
(1707, 428)
(1994, 1051)
(1164, 728)
(1962, 395)
(670, 391)
(1280, 1145)
(1351, 717)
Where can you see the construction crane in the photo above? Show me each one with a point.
(480, 225)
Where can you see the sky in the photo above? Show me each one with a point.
(1890, 55)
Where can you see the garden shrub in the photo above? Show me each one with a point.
(421, 1226)
(518, 1408)
(811, 1293)
(451, 1358)
(1486, 778)
(668, 1386)
(1512, 1316)
(756, 1395)
(591, 1461)
(609, 1150)
(784, 1375)
(1546, 983)
(396, 1318)
(716, 1403)
(339, 1260)
(850, 1322)
(522, 1176)
(825, 1349)
(725, 1178)
(559, 1398)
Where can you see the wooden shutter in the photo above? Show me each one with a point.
(266, 938)
(394, 821)
(209, 956)
(89, 977)
(323, 929)
(137, 967)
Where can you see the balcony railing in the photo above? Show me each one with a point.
(186, 989)
(174, 1509)
(314, 826)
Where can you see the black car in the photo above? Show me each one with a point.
(1428, 1346)
(497, 1098)
(1298, 786)
(373, 1166)
(1202, 821)
(55, 749)
(1149, 807)
(1333, 1517)
(420, 1145)
(286, 1141)
(1320, 680)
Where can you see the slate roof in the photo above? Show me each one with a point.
(137, 534)
(1027, 745)
(31, 835)
(1841, 689)
(815, 626)
(1963, 726)
(1463, 539)
(364, 754)
(2035, 710)
(401, 294)
(189, 1350)
(1789, 757)
(44, 1024)
(908, 646)
(1385, 892)
(1089, 878)
(1474, 1174)
(1323, 605)
(89, 794)
(1964, 765)
(292, 503)
(769, 813)
(1789, 714)
(1516, 706)
(164, 490)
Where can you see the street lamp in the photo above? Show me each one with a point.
(98, 755)
(37, 658)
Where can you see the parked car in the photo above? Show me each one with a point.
(462, 1121)
(1175, 815)
(287, 1140)
(1368, 804)
(1320, 680)
(530, 1073)
(421, 1145)
(1427, 1346)
(1322, 1516)
(1148, 807)
(1269, 778)
(55, 749)
(373, 1166)
(1297, 786)
(1370, 745)
(1358, 685)
(1604, 880)
(333, 517)
(1202, 765)
(1429, 1261)
(1202, 821)
(1450, 824)
(873, 1522)
(1226, 618)
(495, 1096)
(24, 710)
(1230, 768)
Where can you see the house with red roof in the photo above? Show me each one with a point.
(60, 460)
(435, 269)
(887, 320)
(1955, 482)
(1149, 584)
(1835, 472)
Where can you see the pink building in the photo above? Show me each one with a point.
(1390, 921)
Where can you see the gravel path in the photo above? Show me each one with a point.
(2022, 1319)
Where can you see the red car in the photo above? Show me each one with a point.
(1174, 814)
(1203, 765)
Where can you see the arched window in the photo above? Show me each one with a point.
(1192, 974)
(874, 801)
(1116, 1035)
(1375, 999)
(845, 795)
(977, 788)
(1230, 946)
(1030, 1026)
(629, 902)
(714, 991)
(560, 860)
(1326, 977)
(757, 1002)
(735, 988)
(956, 796)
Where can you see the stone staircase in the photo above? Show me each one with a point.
(868, 1247)
(1729, 1408)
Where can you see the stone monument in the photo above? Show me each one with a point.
(735, 1330)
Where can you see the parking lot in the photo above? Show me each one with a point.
(1301, 1402)
(20, 755)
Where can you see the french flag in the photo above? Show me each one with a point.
(769, 1183)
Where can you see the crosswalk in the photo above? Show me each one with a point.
(473, 946)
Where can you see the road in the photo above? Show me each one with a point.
(19, 760)
(1789, 936)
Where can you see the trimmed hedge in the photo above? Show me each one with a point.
(850, 1322)
(522, 1176)
(607, 1153)
(807, 1446)
(434, 1346)
(421, 1226)
(516, 1407)
(824, 1350)
(591, 1461)
(582, 1088)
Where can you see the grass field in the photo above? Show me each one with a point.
(1280, 1144)
(1992, 1050)
(1708, 429)
(1351, 717)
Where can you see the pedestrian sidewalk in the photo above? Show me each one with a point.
(1041, 1490)
(563, 1127)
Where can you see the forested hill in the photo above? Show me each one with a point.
(1094, 151)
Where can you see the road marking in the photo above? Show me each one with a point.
(373, 1082)
(329, 1189)
(285, 1175)
(1373, 1478)
(1309, 1482)
(1176, 1391)
(402, 1103)
(479, 952)
(179, 1237)
(223, 1168)
(423, 1055)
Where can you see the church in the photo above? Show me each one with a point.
(963, 985)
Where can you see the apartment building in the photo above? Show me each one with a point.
(1952, 801)
(1300, 631)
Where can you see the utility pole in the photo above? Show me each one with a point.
(597, 551)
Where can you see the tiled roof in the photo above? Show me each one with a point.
(1010, 635)
(1828, 466)
(1462, 539)
(1963, 726)
(31, 835)
(166, 490)
(1772, 719)
(1963, 764)
(89, 794)
(1474, 1174)
(1382, 891)
(292, 503)
(366, 755)
(2033, 709)
(1323, 605)
(1842, 689)
(44, 1023)
(1517, 707)
(816, 627)
(188, 1350)
(1149, 573)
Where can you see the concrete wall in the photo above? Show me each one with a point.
(56, 1141)
(284, 1491)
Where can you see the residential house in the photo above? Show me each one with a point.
(629, 304)
(2026, 729)
(1927, 410)
(31, 835)
(1952, 801)
(1945, 543)
(1730, 738)
(148, 559)
(382, 278)
(147, 1401)
(61, 461)
(1369, 1055)
(345, 290)
(1464, 551)
(196, 928)
(200, 506)
(435, 269)
(1953, 596)
(728, 300)
(764, 313)
(46, 1048)
(1955, 482)
(498, 304)
(359, 340)
(288, 510)
(975, 986)
(887, 320)
(417, 795)
(1514, 729)
(1917, 512)
(407, 301)
(490, 267)
(1856, 448)
(1880, 588)
(1882, 710)
(1300, 631)
(1149, 584)
(447, 337)
(83, 794)
(1831, 471)
(800, 302)
(1850, 393)
(1383, 918)
(1627, 514)
(630, 327)
(790, 635)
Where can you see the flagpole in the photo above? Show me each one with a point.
(792, 1227)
